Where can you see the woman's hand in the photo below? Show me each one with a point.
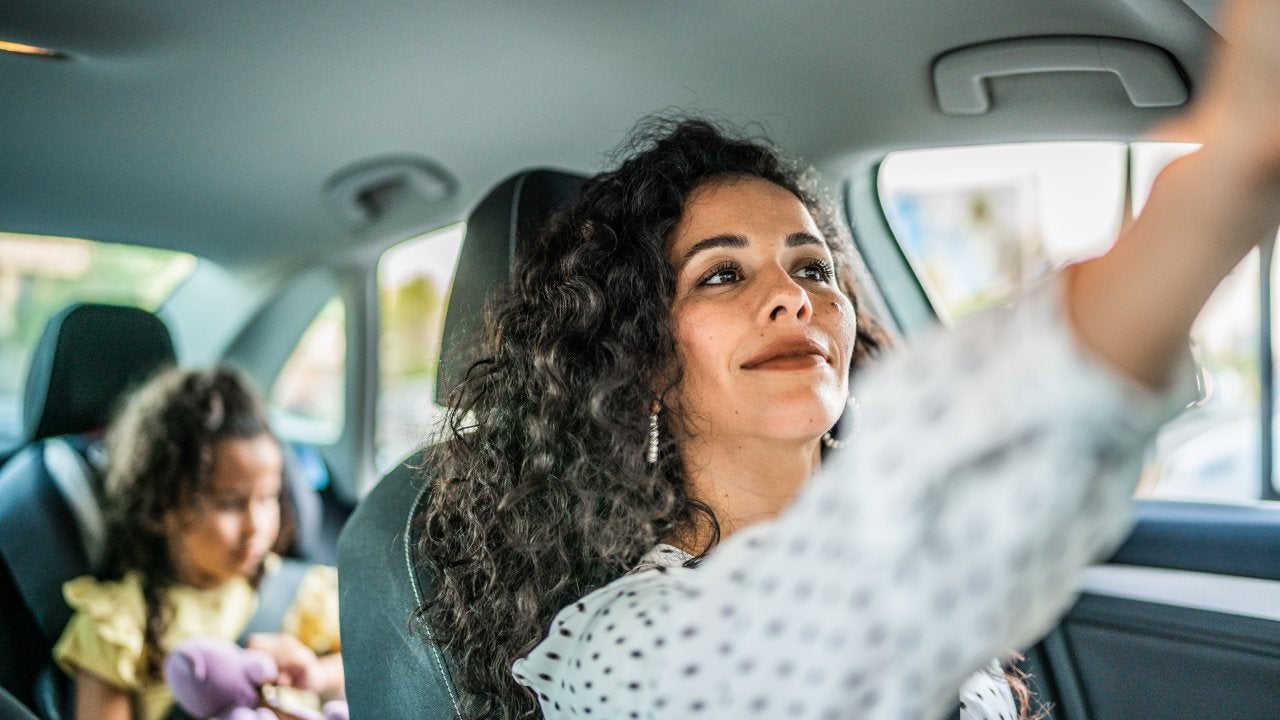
(1135, 305)
(1238, 117)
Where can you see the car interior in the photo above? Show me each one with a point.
(323, 195)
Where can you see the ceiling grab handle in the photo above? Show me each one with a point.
(1148, 74)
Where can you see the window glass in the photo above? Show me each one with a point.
(307, 401)
(414, 280)
(41, 275)
(1211, 450)
(980, 224)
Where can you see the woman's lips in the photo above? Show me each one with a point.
(794, 353)
(791, 363)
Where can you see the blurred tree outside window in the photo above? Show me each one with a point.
(414, 281)
(981, 224)
(41, 275)
(307, 401)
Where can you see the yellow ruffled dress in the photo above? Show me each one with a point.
(105, 635)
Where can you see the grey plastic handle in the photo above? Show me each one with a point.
(1148, 74)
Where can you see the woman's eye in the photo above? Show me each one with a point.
(721, 275)
(817, 270)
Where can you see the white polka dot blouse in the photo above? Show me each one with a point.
(995, 461)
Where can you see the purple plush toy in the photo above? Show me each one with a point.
(220, 680)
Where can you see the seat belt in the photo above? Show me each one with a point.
(69, 468)
(275, 595)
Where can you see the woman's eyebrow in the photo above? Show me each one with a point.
(732, 240)
(803, 238)
(735, 240)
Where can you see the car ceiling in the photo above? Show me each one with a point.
(214, 127)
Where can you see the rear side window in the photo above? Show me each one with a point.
(307, 401)
(41, 275)
(980, 224)
(414, 281)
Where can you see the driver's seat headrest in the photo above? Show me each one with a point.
(89, 356)
(509, 216)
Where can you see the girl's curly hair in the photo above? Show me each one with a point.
(160, 451)
(543, 493)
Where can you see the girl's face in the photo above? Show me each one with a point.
(231, 524)
(765, 334)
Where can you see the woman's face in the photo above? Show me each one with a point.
(764, 333)
(232, 523)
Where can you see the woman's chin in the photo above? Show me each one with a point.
(801, 434)
(797, 423)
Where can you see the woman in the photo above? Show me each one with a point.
(658, 383)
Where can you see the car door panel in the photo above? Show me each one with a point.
(1183, 622)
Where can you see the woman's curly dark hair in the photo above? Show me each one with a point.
(543, 493)
(160, 451)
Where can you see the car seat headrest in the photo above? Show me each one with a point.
(511, 214)
(87, 358)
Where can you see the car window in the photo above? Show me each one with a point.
(41, 275)
(979, 224)
(307, 399)
(414, 280)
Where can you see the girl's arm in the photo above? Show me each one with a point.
(96, 699)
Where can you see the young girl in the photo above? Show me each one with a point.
(194, 514)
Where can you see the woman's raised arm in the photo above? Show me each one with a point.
(1134, 306)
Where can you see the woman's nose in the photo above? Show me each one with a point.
(785, 298)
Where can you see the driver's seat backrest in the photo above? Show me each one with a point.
(51, 528)
(392, 670)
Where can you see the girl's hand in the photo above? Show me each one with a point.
(299, 666)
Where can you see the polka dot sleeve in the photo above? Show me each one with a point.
(995, 461)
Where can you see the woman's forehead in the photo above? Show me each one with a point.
(751, 207)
